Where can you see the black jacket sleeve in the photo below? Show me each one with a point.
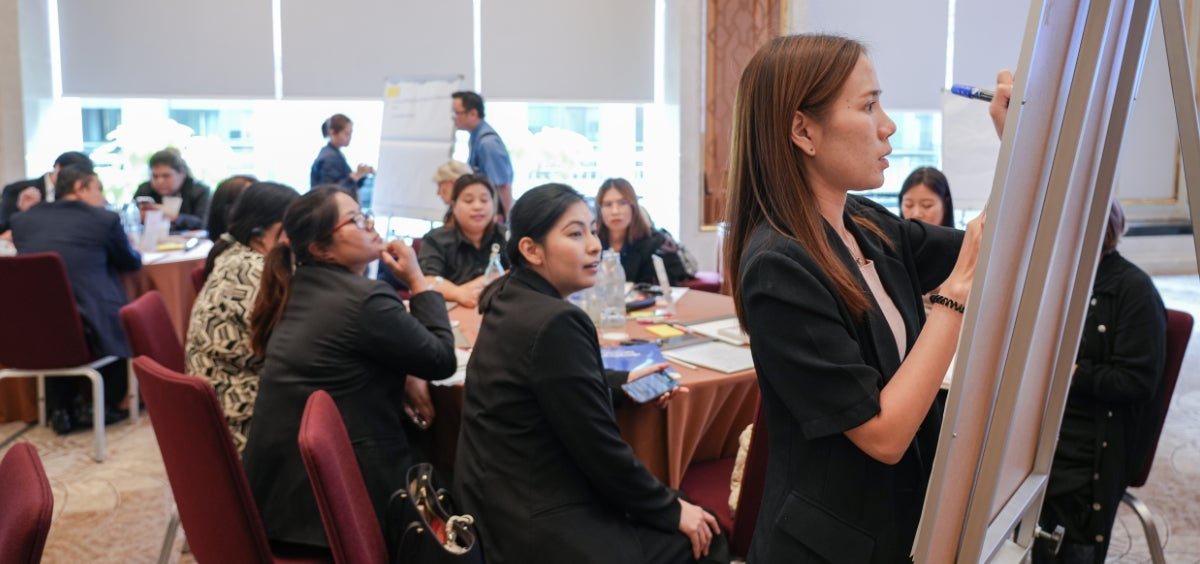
(120, 254)
(197, 208)
(572, 391)
(421, 344)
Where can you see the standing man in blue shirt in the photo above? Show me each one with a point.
(488, 155)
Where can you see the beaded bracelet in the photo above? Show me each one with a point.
(943, 300)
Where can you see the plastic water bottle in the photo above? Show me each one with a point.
(131, 222)
(494, 268)
(611, 286)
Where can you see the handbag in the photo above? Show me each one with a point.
(422, 528)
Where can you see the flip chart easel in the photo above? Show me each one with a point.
(1079, 69)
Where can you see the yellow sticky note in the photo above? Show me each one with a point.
(393, 91)
(663, 331)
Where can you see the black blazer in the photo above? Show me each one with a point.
(350, 336)
(193, 212)
(95, 250)
(541, 463)
(1118, 372)
(10, 195)
(820, 372)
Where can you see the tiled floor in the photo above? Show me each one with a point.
(118, 511)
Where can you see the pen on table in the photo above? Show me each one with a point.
(967, 91)
(682, 327)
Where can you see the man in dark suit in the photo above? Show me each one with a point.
(94, 249)
(24, 194)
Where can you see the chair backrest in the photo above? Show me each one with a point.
(214, 500)
(28, 505)
(198, 278)
(754, 473)
(150, 331)
(42, 327)
(350, 521)
(1179, 332)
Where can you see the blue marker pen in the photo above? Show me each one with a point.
(972, 92)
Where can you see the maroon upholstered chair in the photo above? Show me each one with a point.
(350, 521)
(150, 331)
(1179, 332)
(42, 333)
(708, 484)
(28, 505)
(209, 485)
(705, 281)
(198, 278)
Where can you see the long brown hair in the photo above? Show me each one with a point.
(638, 228)
(309, 219)
(767, 182)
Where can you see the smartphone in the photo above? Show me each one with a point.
(649, 387)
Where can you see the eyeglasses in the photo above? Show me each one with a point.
(363, 220)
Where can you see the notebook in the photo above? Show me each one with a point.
(715, 355)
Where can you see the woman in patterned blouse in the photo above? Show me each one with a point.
(218, 338)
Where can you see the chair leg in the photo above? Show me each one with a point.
(41, 399)
(1147, 519)
(134, 412)
(97, 410)
(164, 556)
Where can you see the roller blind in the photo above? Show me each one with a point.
(568, 51)
(347, 49)
(906, 40)
(166, 48)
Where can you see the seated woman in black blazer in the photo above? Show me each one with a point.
(623, 228)
(828, 285)
(541, 463)
(326, 327)
(454, 256)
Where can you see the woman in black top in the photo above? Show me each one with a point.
(326, 327)
(828, 286)
(623, 228)
(455, 256)
(1111, 412)
(925, 195)
(330, 166)
(541, 463)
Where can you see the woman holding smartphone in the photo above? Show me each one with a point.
(541, 463)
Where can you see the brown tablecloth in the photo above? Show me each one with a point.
(169, 273)
(18, 400)
(701, 425)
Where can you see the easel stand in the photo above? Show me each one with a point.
(1079, 70)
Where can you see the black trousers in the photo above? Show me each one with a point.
(61, 393)
(675, 548)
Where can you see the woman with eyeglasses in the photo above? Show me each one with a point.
(454, 256)
(321, 325)
(623, 228)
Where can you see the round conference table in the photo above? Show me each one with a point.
(701, 425)
(168, 272)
